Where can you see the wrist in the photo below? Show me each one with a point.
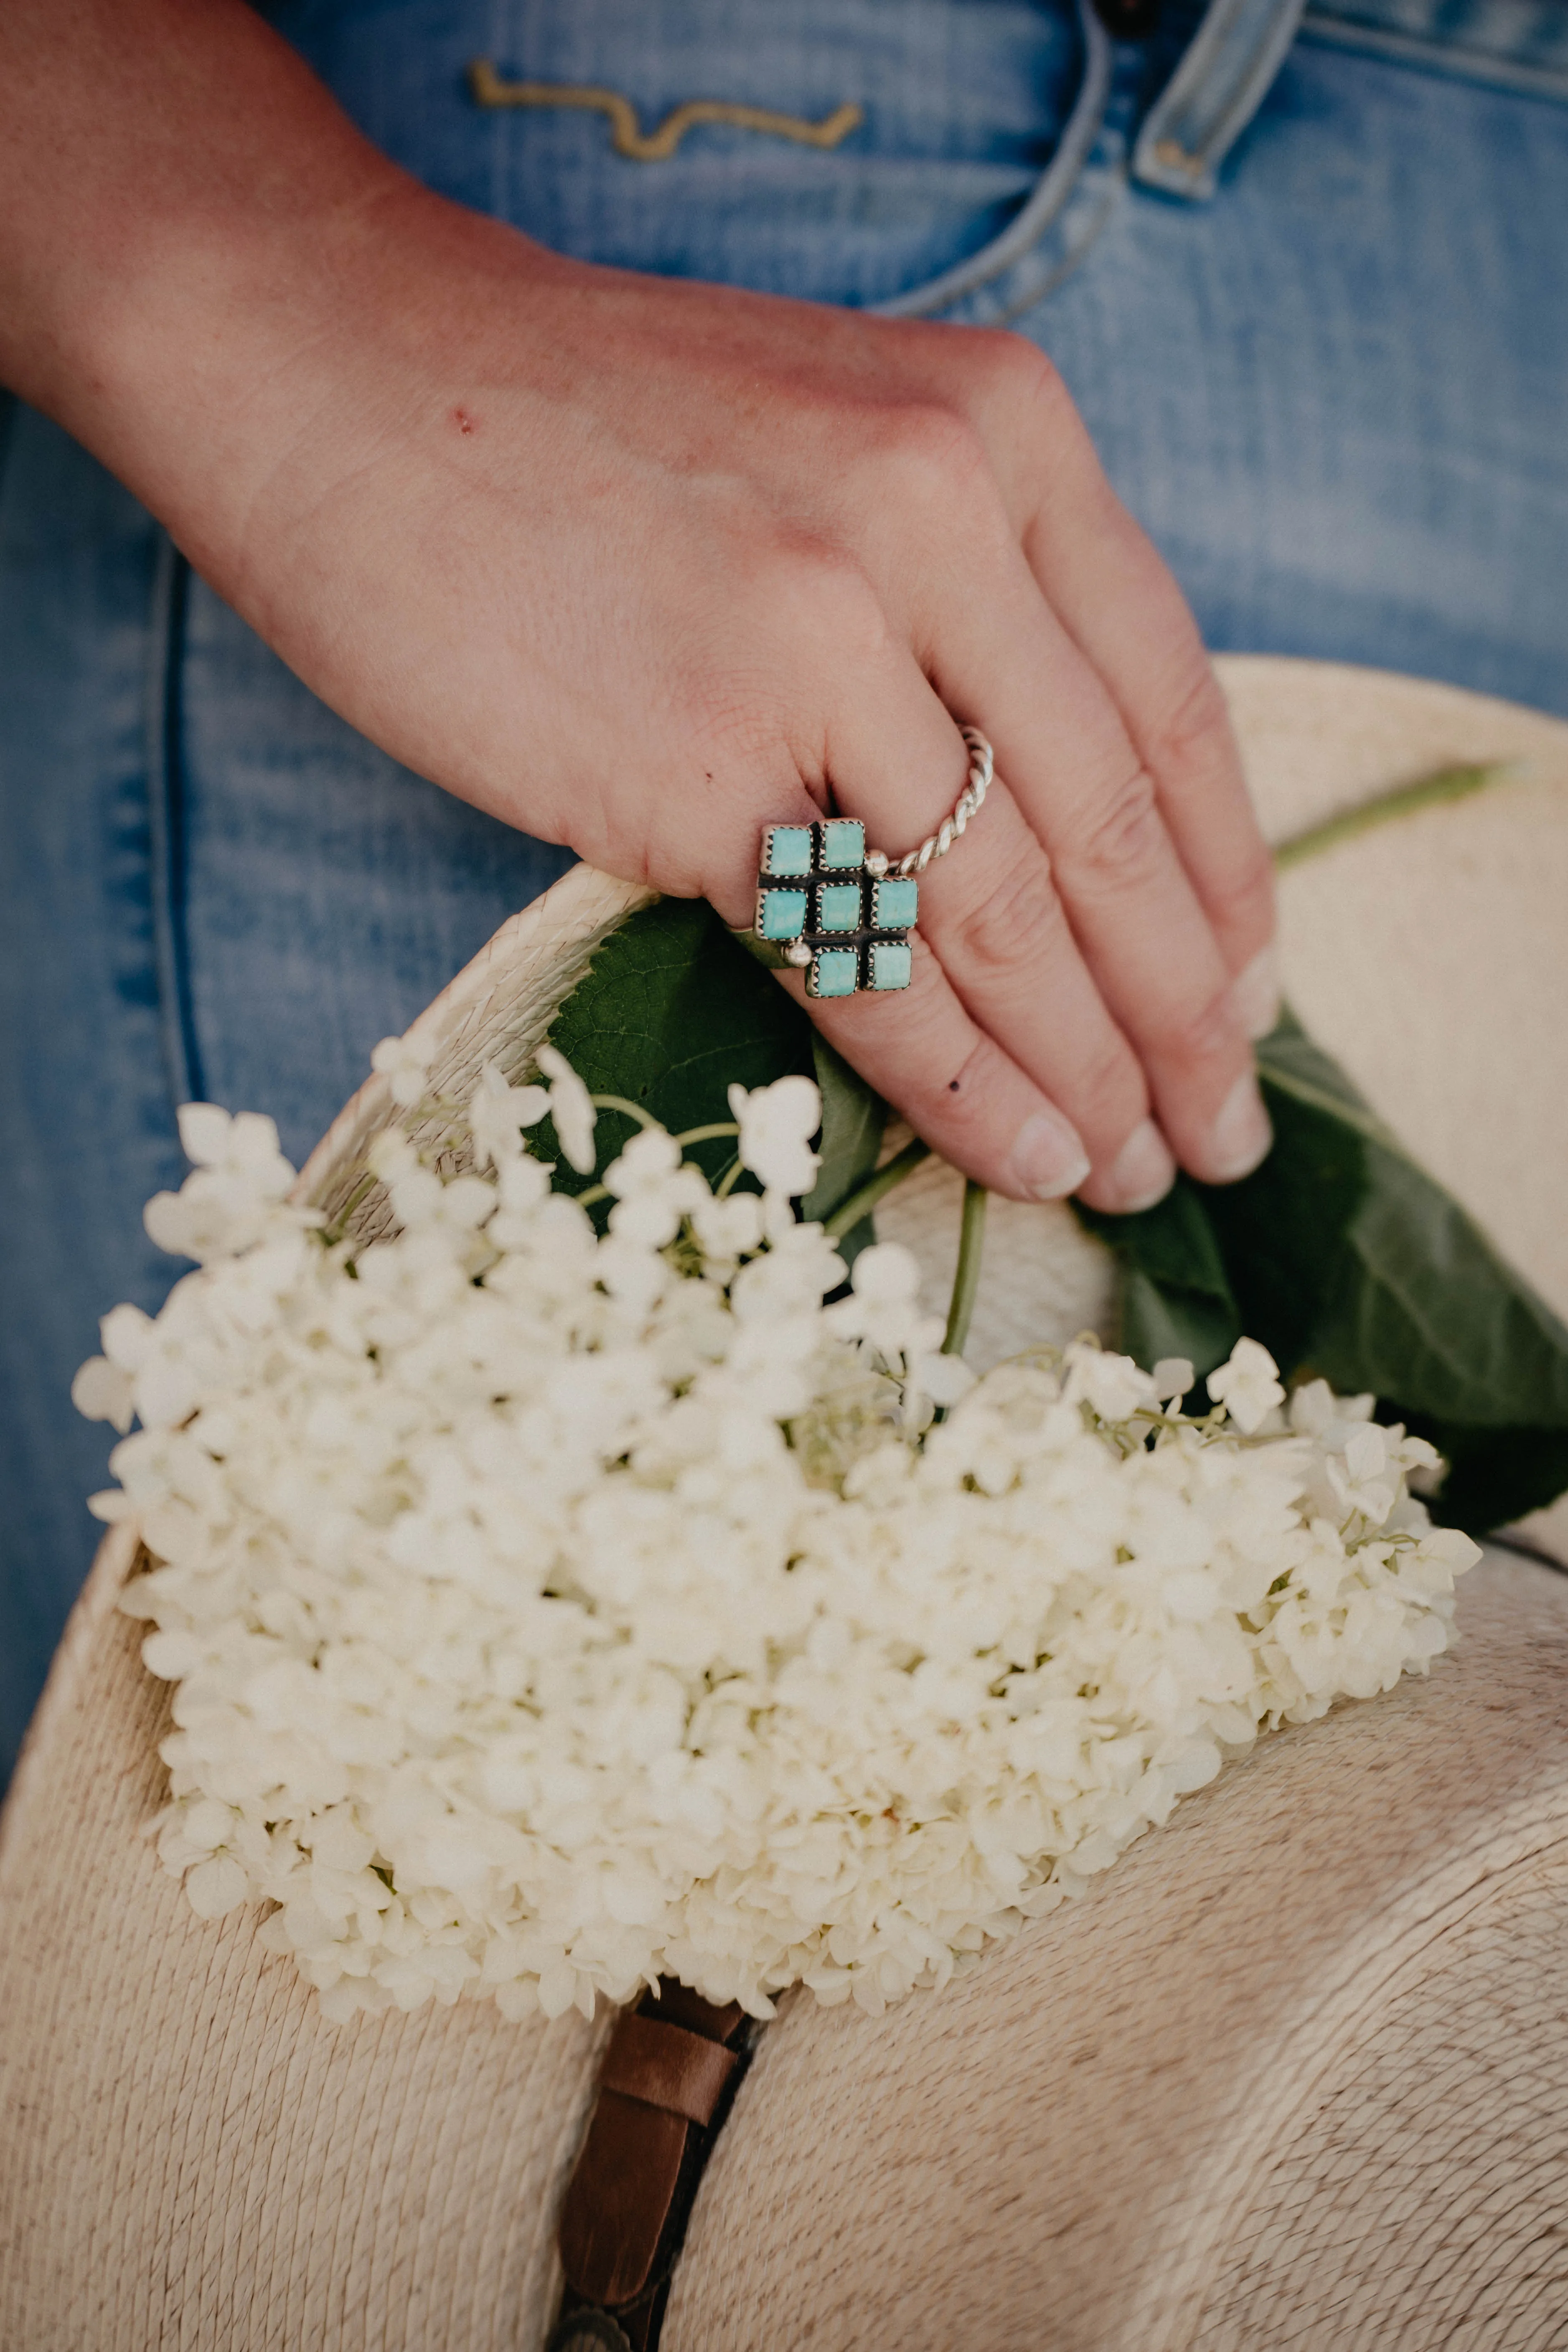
(192, 238)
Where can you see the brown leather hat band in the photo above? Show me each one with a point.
(653, 2060)
(669, 2073)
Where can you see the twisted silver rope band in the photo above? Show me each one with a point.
(970, 802)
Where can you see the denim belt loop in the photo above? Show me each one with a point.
(1213, 94)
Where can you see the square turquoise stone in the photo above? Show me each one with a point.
(894, 904)
(781, 914)
(786, 849)
(838, 906)
(891, 963)
(842, 844)
(834, 972)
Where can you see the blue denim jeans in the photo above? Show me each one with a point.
(1333, 391)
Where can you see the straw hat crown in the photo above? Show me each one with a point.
(1295, 2074)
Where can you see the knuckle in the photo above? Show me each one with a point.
(1203, 1035)
(1014, 927)
(934, 456)
(1018, 368)
(1108, 1096)
(1197, 719)
(1243, 897)
(819, 592)
(1123, 840)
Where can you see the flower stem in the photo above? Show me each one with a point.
(966, 1274)
(631, 1109)
(865, 1197)
(708, 1134)
(1406, 800)
(334, 1232)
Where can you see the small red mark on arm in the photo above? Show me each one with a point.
(462, 420)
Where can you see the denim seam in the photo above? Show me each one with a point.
(1101, 185)
(1446, 59)
(166, 825)
(1050, 196)
(1115, 188)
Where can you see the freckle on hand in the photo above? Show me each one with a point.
(953, 1085)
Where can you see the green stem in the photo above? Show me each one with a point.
(1406, 800)
(865, 1197)
(631, 1109)
(334, 1232)
(709, 1134)
(966, 1274)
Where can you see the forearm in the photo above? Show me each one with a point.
(179, 198)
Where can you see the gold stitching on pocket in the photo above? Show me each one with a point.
(657, 146)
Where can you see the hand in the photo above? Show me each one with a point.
(641, 566)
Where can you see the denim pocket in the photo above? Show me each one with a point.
(963, 108)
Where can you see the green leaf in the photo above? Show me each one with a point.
(1348, 1261)
(1339, 1253)
(671, 1014)
(1175, 1295)
(854, 1120)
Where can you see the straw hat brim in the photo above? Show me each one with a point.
(1294, 2074)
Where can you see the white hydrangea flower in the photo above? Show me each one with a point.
(653, 1189)
(1247, 1385)
(553, 1611)
(1112, 1386)
(729, 1229)
(103, 1391)
(776, 1125)
(498, 1113)
(884, 1309)
(238, 1177)
(943, 1379)
(571, 1108)
(1365, 1476)
(404, 1065)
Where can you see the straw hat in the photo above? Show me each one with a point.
(1295, 2074)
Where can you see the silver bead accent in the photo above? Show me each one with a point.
(797, 953)
(876, 864)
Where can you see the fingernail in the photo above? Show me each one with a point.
(1143, 1170)
(1048, 1158)
(1241, 1135)
(1255, 993)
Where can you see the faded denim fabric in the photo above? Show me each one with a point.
(1334, 394)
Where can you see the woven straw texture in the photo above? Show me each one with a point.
(1294, 2075)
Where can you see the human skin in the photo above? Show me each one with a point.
(641, 565)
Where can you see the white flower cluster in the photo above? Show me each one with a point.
(551, 1612)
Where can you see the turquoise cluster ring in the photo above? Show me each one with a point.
(819, 904)
(842, 913)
